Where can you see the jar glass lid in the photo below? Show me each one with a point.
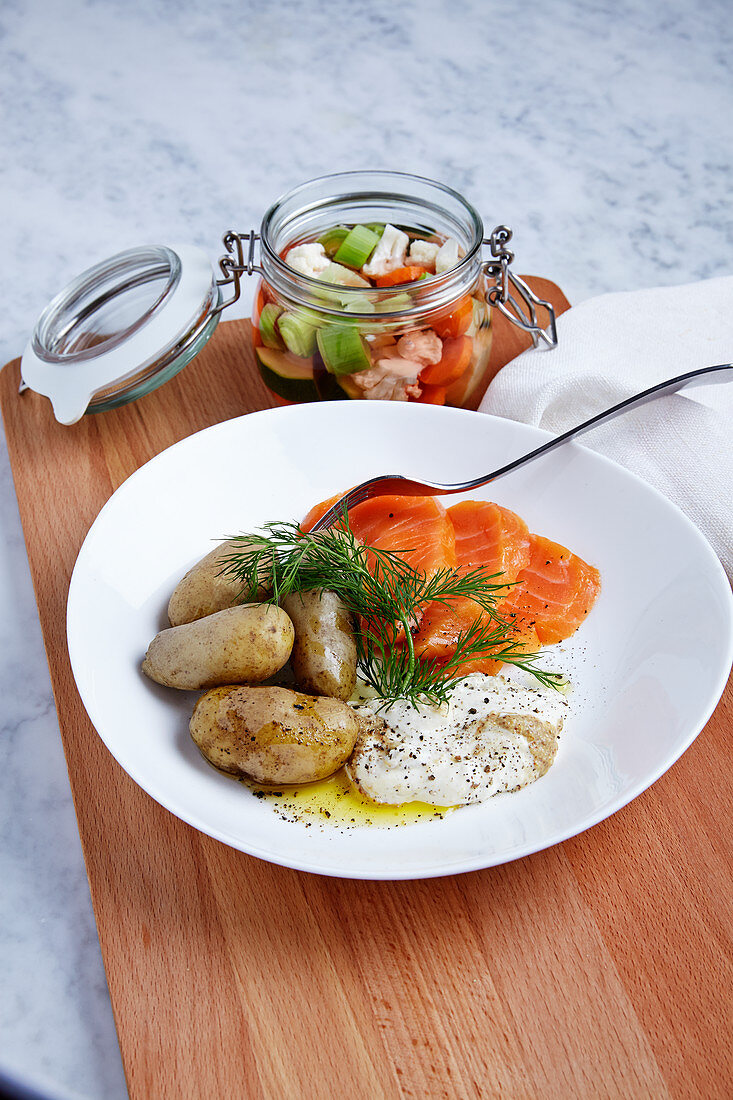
(121, 329)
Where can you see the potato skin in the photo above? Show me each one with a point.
(202, 591)
(324, 653)
(240, 644)
(272, 734)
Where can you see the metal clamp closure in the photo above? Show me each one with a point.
(234, 265)
(518, 307)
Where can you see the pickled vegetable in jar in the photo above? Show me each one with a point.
(373, 287)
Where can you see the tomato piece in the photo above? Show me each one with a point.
(400, 275)
(454, 361)
(457, 321)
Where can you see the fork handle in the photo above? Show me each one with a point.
(704, 376)
(403, 486)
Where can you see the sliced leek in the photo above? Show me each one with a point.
(333, 238)
(359, 304)
(268, 332)
(357, 247)
(396, 303)
(342, 349)
(298, 332)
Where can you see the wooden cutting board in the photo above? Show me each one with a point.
(598, 968)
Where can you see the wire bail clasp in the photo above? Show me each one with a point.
(508, 291)
(234, 265)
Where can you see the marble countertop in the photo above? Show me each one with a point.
(593, 129)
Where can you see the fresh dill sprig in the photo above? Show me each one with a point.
(284, 559)
(387, 667)
(498, 643)
(386, 596)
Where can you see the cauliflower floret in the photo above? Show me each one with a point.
(392, 379)
(308, 259)
(424, 252)
(447, 256)
(422, 347)
(390, 252)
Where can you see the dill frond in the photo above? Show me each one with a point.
(385, 595)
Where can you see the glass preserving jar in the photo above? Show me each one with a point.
(428, 340)
(130, 323)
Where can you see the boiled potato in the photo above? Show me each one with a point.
(203, 591)
(272, 734)
(238, 645)
(324, 653)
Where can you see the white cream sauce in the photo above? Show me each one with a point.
(493, 736)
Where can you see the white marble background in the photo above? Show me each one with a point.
(601, 132)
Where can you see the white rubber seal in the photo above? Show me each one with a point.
(70, 387)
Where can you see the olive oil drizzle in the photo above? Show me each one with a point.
(337, 802)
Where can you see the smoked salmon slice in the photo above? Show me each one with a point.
(552, 590)
(417, 529)
(555, 593)
(490, 537)
(494, 539)
(317, 511)
(442, 624)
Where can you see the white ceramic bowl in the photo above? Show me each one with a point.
(648, 665)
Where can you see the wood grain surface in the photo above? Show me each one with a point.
(598, 968)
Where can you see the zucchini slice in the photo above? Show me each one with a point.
(286, 376)
(349, 386)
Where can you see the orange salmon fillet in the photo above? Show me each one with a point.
(554, 591)
(497, 540)
(317, 511)
(418, 529)
(490, 536)
(557, 591)
(441, 625)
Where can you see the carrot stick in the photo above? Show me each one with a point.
(431, 395)
(454, 361)
(400, 275)
(457, 321)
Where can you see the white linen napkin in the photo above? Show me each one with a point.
(610, 348)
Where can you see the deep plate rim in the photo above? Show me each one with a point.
(389, 410)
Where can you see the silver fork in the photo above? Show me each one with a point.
(386, 484)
